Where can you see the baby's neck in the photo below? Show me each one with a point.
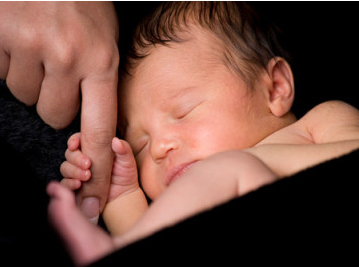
(290, 131)
(289, 119)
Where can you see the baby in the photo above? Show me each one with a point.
(205, 114)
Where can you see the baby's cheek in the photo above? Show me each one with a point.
(151, 184)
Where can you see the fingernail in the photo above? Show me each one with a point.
(91, 207)
(94, 220)
(87, 174)
(86, 163)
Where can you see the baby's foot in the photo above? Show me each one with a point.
(84, 241)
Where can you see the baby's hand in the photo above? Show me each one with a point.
(124, 172)
(76, 168)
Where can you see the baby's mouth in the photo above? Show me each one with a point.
(176, 172)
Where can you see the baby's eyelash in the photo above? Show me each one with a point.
(181, 115)
(183, 112)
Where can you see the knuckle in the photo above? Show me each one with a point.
(30, 39)
(65, 56)
(52, 118)
(56, 112)
(107, 58)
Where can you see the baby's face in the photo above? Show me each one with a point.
(182, 105)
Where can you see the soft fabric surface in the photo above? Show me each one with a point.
(41, 146)
(25, 235)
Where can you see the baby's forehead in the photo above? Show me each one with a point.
(200, 47)
(190, 41)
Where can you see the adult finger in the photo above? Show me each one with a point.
(4, 64)
(98, 127)
(59, 99)
(25, 74)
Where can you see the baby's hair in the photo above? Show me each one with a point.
(248, 43)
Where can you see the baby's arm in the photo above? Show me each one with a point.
(206, 184)
(126, 201)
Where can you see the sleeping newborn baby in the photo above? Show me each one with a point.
(204, 121)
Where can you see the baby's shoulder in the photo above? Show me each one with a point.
(334, 108)
(332, 121)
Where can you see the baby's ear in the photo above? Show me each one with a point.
(281, 91)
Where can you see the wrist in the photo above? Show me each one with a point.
(122, 212)
(118, 191)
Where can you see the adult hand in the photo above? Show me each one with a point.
(53, 52)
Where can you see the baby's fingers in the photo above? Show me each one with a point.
(77, 158)
(124, 163)
(71, 171)
(72, 184)
(74, 141)
(122, 149)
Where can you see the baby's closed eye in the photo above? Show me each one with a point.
(182, 110)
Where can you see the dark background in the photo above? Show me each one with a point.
(321, 38)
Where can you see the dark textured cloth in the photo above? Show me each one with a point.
(42, 147)
(31, 154)
(25, 235)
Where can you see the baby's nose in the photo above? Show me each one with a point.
(161, 147)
